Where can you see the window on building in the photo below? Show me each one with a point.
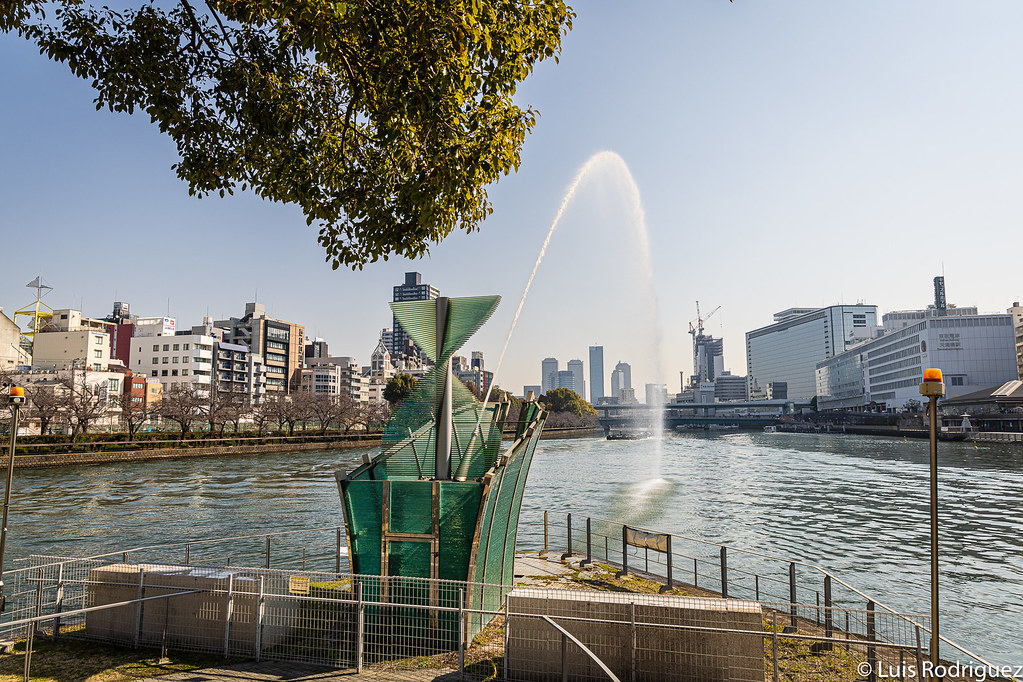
(113, 385)
(97, 354)
(154, 373)
(138, 385)
(163, 372)
(174, 372)
(166, 346)
(99, 340)
(184, 346)
(174, 359)
(97, 367)
(184, 372)
(177, 346)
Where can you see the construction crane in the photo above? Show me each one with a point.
(698, 329)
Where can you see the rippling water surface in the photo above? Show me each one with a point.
(855, 505)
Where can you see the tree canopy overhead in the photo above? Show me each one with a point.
(383, 121)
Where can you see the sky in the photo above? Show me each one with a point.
(785, 153)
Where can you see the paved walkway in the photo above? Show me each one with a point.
(277, 671)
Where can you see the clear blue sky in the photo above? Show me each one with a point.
(788, 153)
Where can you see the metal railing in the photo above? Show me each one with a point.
(322, 549)
(805, 594)
(402, 626)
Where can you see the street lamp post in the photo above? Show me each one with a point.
(16, 399)
(933, 387)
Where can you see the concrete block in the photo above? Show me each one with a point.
(640, 637)
(195, 621)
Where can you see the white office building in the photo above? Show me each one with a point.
(972, 351)
(788, 350)
(173, 361)
(337, 376)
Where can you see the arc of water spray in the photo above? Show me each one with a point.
(593, 162)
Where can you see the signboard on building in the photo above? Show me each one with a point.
(950, 341)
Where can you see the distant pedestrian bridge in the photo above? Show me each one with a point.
(750, 414)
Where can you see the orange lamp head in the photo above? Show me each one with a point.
(932, 375)
(17, 391)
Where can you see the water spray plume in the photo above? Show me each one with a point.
(613, 161)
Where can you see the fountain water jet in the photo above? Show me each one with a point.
(611, 161)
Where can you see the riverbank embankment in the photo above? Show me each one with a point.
(39, 455)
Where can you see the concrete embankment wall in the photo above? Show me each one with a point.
(25, 459)
(58, 459)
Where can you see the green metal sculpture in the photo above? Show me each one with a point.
(442, 498)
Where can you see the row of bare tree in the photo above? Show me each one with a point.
(73, 401)
(187, 407)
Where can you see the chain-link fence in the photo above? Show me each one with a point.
(178, 597)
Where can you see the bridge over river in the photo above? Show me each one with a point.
(753, 414)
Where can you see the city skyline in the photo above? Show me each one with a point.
(769, 180)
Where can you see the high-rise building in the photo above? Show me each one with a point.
(317, 348)
(788, 350)
(974, 352)
(617, 383)
(729, 387)
(549, 374)
(596, 373)
(576, 368)
(656, 394)
(566, 379)
(281, 345)
(708, 358)
(412, 289)
(626, 370)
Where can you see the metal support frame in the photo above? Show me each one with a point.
(568, 553)
(932, 409)
(228, 616)
(138, 613)
(16, 413)
(871, 638)
(442, 458)
(360, 627)
(724, 573)
(589, 546)
(829, 625)
(671, 583)
(792, 595)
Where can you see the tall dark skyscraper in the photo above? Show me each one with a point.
(412, 290)
(596, 373)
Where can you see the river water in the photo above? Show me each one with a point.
(856, 505)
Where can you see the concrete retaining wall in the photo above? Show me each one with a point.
(27, 461)
(630, 634)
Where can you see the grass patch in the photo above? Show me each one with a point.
(68, 660)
